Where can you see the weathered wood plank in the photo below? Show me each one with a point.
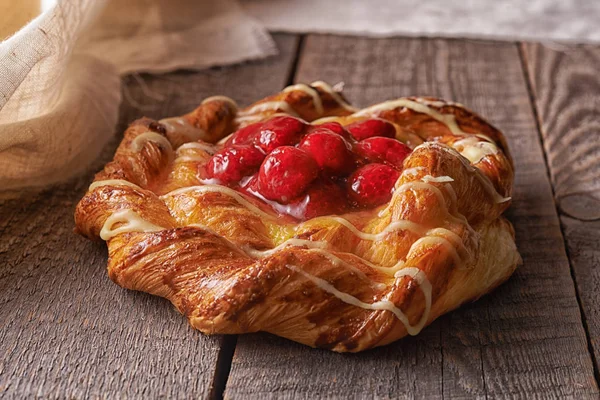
(566, 85)
(66, 330)
(524, 340)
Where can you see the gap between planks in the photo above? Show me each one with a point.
(223, 366)
(538, 123)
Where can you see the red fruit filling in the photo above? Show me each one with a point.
(286, 173)
(372, 185)
(322, 198)
(280, 131)
(246, 135)
(334, 127)
(233, 163)
(306, 171)
(371, 127)
(331, 152)
(382, 149)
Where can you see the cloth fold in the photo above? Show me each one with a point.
(59, 76)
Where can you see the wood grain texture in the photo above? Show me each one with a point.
(526, 339)
(66, 331)
(565, 81)
(566, 86)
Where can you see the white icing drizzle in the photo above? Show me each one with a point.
(491, 190)
(338, 261)
(413, 171)
(484, 180)
(438, 179)
(324, 120)
(473, 149)
(392, 227)
(113, 182)
(226, 138)
(315, 246)
(449, 235)
(432, 103)
(416, 185)
(210, 149)
(416, 274)
(266, 106)
(484, 137)
(451, 192)
(438, 103)
(206, 150)
(192, 158)
(139, 141)
(447, 119)
(312, 244)
(219, 189)
(433, 240)
(252, 119)
(249, 119)
(311, 92)
(335, 95)
(426, 186)
(228, 242)
(221, 98)
(439, 236)
(131, 222)
(182, 126)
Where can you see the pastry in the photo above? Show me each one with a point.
(304, 217)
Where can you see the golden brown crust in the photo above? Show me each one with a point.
(232, 266)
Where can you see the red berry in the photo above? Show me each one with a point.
(372, 185)
(334, 127)
(371, 127)
(286, 173)
(233, 163)
(382, 149)
(321, 198)
(331, 152)
(246, 135)
(280, 131)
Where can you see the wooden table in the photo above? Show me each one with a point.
(66, 331)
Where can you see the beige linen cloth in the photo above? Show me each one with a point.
(59, 76)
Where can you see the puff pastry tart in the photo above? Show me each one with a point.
(301, 216)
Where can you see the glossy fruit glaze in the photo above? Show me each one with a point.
(306, 171)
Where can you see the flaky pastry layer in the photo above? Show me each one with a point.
(349, 282)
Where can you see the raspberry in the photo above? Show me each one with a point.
(382, 149)
(321, 198)
(280, 131)
(372, 185)
(371, 127)
(334, 127)
(233, 163)
(286, 173)
(246, 135)
(331, 152)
